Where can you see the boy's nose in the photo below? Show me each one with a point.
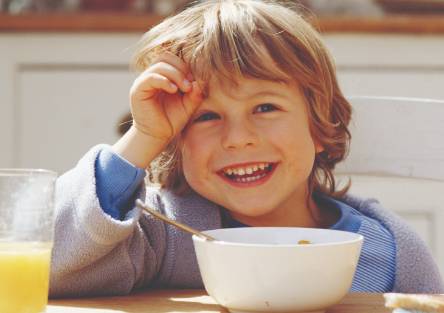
(239, 134)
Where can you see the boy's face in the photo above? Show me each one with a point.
(249, 149)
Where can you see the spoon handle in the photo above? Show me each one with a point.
(162, 217)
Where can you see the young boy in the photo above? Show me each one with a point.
(238, 115)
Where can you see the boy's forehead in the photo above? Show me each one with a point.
(242, 88)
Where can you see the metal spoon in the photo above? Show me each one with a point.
(184, 227)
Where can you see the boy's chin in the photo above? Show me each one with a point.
(246, 211)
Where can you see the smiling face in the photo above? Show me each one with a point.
(248, 148)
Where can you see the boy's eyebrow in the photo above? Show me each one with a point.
(256, 94)
(265, 93)
(260, 93)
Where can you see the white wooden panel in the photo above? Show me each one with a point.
(396, 82)
(63, 112)
(63, 48)
(404, 65)
(386, 50)
(7, 96)
(24, 50)
(396, 136)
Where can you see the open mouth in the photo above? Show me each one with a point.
(250, 175)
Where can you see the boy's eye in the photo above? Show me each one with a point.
(265, 107)
(206, 117)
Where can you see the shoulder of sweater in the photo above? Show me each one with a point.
(416, 271)
(170, 201)
(372, 208)
(403, 233)
(408, 243)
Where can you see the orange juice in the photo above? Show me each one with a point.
(24, 276)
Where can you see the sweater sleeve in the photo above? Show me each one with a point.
(93, 253)
(117, 181)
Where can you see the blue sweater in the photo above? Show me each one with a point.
(96, 254)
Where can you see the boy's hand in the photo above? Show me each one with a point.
(163, 98)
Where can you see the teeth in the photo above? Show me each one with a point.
(240, 171)
(249, 179)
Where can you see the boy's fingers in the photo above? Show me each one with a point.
(153, 82)
(196, 93)
(192, 100)
(174, 60)
(172, 73)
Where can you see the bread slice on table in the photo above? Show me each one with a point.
(414, 303)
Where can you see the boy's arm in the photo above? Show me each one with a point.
(138, 148)
(93, 253)
(117, 180)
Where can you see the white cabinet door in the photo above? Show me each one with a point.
(62, 112)
(60, 94)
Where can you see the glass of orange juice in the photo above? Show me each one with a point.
(26, 236)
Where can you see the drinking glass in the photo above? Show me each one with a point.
(26, 238)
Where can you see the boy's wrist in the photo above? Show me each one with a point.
(139, 148)
(116, 181)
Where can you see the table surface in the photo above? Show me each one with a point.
(162, 301)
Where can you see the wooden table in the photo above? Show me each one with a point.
(162, 301)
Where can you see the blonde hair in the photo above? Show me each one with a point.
(228, 38)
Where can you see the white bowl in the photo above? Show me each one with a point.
(264, 269)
